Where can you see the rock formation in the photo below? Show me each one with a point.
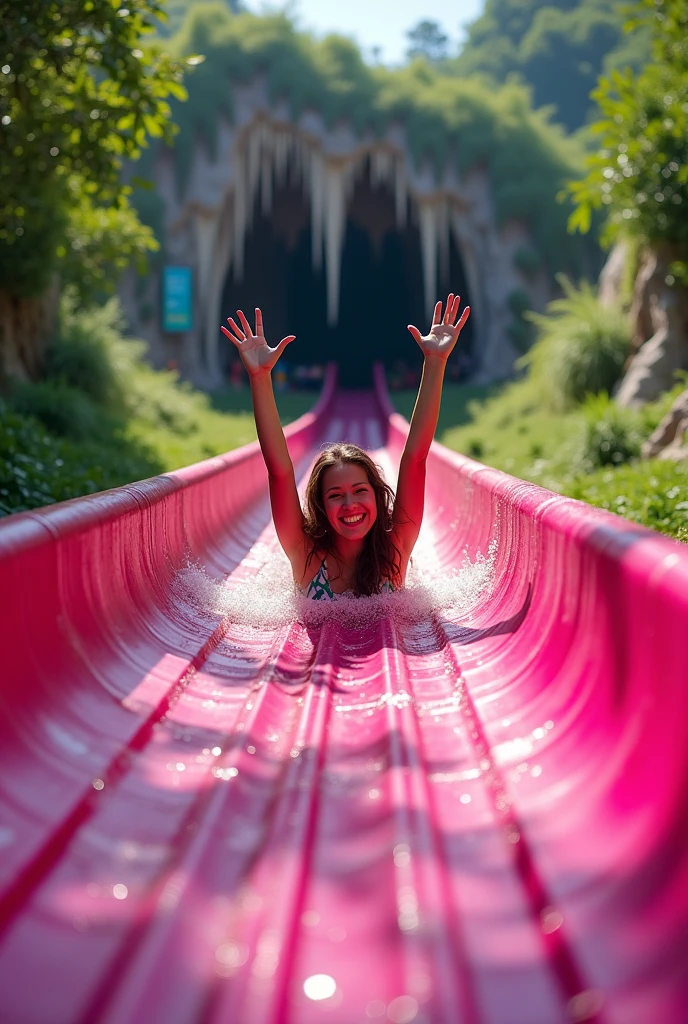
(659, 321)
(610, 284)
(264, 148)
(670, 439)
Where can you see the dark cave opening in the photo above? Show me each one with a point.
(381, 290)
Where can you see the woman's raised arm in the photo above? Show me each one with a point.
(259, 359)
(436, 347)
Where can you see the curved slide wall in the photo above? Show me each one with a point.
(478, 821)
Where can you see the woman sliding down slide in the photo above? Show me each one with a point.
(354, 536)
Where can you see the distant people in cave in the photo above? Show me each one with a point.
(286, 377)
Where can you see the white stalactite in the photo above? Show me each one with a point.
(470, 263)
(240, 219)
(335, 223)
(427, 216)
(281, 156)
(265, 184)
(205, 226)
(317, 183)
(206, 229)
(218, 272)
(443, 229)
(381, 167)
(400, 193)
(253, 165)
(269, 155)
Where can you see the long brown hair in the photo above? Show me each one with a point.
(380, 559)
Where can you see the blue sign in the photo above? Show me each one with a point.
(177, 299)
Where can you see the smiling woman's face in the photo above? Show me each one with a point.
(349, 499)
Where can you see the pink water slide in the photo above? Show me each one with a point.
(470, 820)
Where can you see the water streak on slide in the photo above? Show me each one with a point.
(474, 822)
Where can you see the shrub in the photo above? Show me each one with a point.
(81, 354)
(581, 347)
(521, 330)
(62, 409)
(612, 434)
(37, 469)
(92, 355)
(88, 426)
(518, 302)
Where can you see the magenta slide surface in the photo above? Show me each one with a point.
(479, 820)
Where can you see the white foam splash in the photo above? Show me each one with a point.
(267, 598)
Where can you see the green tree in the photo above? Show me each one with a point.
(177, 10)
(449, 121)
(640, 172)
(79, 94)
(427, 40)
(560, 48)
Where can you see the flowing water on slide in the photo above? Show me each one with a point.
(349, 811)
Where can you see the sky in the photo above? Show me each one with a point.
(382, 23)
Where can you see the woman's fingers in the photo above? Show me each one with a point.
(450, 313)
(231, 337)
(415, 333)
(283, 344)
(244, 323)
(464, 317)
(235, 327)
(259, 323)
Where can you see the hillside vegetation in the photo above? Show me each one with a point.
(588, 452)
(557, 424)
(102, 417)
(559, 48)
(446, 118)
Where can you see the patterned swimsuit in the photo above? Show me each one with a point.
(319, 588)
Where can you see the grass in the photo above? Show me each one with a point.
(104, 417)
(219, 423)
(511, 428)
(40, 465)
(654, 493)
(456, 400)
(506, 427)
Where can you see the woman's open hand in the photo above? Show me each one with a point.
(254, 351)
(444, 331)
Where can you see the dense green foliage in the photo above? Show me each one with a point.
(640, 173)
(38, 467)
(103, 417)
(426, 39)
(513, 428)
(581, 347)
(446, 118)
(652, 493)
(176, 11)
(613, 434)
(77, 96)
(559, 48)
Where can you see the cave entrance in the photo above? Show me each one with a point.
(381, 290)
